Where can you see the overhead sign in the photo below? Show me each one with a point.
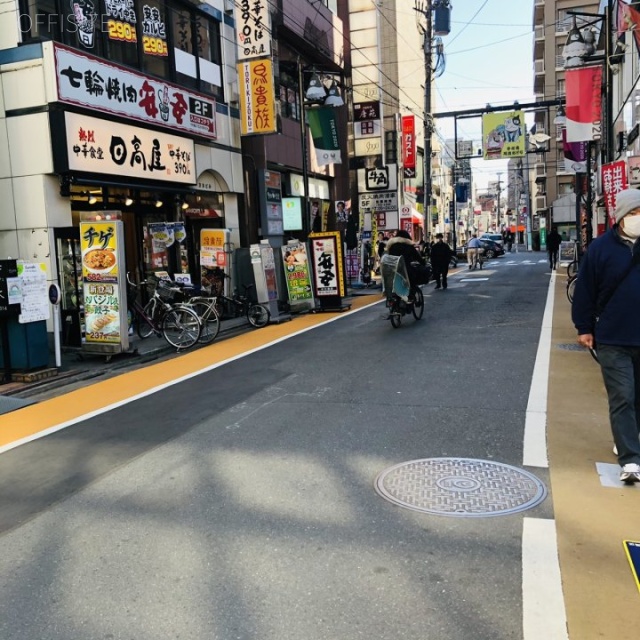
(503, 135)
(366, 111)
(111, 148)
(253, 29)
(91, 83)
(378, 178)
(257, 97)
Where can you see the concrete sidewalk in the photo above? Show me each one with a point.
(593, 520)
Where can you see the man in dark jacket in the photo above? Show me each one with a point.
(401, 245)
(606, 312)
(440, 257)
(553, 247)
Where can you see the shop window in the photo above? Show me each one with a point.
(209, 56)
(40, 20)
(153, 28)
(121, 31)
(182, 35)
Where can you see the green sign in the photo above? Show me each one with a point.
(296, 271)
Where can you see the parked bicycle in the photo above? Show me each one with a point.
(177, 324)
(571, 287)
(241, 305)
(205, 308)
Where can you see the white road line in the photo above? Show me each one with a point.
(534, 453)
(543, 612)
(472, 279)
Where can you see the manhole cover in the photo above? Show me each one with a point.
(460, 487)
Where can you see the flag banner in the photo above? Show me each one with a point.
(409, 142)
(583, 103)
(575, 155)
(324, 131)
(503, 135)
(629, 20)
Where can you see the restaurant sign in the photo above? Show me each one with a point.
(88, 82)
(112, 148)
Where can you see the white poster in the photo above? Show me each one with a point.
(34, 305)
(253, 29)
(112, 148)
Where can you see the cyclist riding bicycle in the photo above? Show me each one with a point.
(401, 245)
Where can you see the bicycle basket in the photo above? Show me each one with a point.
(166, 292)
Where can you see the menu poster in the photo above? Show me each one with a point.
(34, 305)
(102, 248)
(296, 271)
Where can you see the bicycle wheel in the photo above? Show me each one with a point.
(572, 269)
(258, 315)
(418, 304)
(209, 320)
(395, 315)
(181, 327)
(571, 287)
(144, 328)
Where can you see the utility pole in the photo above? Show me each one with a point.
(426, 11)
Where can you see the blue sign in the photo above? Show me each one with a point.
(632, 550)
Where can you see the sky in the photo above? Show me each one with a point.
(489, 60)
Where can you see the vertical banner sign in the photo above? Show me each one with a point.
(629, 20)
(326, 252)
(575, 155)
(253, 29)
(257, 97)
(409, 145)
(102, 247)
(583, 103)
(324, 131)
(296, 272)
(503, 135)
(273, 203)
(614, 179)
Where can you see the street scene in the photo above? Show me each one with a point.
(329, 477)
(319, 320)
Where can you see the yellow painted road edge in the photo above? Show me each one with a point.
(48, 416)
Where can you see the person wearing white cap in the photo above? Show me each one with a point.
(606, 313)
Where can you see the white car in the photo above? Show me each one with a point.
(496, 237)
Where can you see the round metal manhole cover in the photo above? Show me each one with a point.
(460, 487)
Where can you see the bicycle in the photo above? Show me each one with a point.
(257, 314)
(398, 308)
(205, 308)
(177, 324)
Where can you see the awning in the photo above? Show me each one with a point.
(521, 227)
(416, 216)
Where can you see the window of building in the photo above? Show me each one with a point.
(289, 90)
(561, 88)
(168, 40)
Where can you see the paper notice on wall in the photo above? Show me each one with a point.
(35, 292)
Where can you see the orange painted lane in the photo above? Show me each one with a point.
(68, 408)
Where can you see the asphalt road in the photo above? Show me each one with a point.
(240, 504)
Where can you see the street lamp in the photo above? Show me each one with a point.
(317, 93)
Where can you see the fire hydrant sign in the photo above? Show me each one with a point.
(35, 292)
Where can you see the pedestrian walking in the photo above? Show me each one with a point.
(605, 312)
(441, 254)
(553, 247)
(473, 250)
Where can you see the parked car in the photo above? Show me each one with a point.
(491, 249)
(496, 237)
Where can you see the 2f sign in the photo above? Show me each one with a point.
(377, 178)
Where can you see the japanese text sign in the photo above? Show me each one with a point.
(117, 149)
(253, 29)
(102, 249)
(91, 83)
(409, 142)
(212, 248)
(326, 252)
(614, 179)
(296, 271)
(257, 97)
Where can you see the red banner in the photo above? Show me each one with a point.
(583, 103)
(614, 179)
(409, 142)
